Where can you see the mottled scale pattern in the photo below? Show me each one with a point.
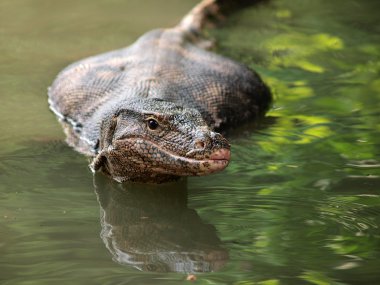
(165, 64)
(106, 104)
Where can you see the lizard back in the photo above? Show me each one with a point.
(162, 64)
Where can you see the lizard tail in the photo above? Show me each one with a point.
(210, 11)
(196, 19)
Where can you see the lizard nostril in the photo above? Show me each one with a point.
(199, 144)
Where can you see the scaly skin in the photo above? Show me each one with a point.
(147, 112)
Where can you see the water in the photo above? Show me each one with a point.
(299, 204)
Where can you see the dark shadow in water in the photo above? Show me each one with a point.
(248, 128)
(151, 228)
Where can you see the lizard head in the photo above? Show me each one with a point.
(153, 140)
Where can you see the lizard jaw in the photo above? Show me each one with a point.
(218, 160)
(174, 164)
(133, 159)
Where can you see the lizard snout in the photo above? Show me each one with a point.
(199, 144)
(221, 154)
(202, 139)
(207, 144)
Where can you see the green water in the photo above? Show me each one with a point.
(299, 203)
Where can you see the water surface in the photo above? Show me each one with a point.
(299, 203)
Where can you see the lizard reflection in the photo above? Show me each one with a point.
(151, 228)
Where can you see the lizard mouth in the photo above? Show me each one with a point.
(156, 159)
(218, 160)
(185, 166)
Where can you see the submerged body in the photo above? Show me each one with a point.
(148, 112)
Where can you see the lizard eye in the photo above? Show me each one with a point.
(152, 124)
